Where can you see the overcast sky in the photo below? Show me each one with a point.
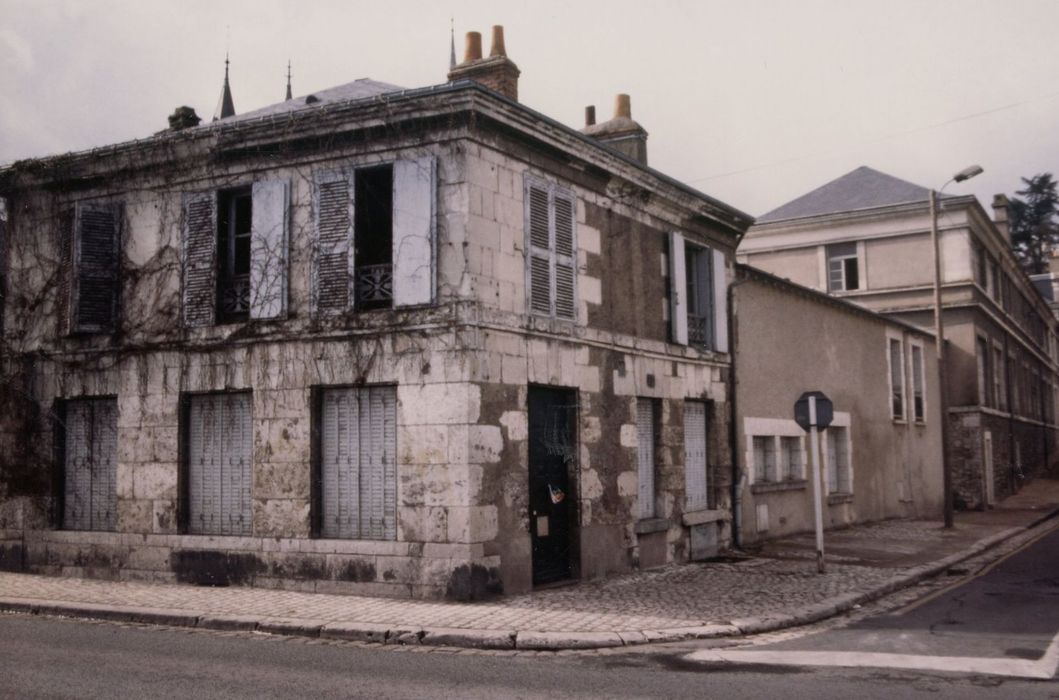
(754, 103)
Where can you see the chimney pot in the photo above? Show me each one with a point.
(590, 115)
(498, 41)
(473, 47)
(622, 107)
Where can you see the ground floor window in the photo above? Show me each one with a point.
(791, 454)
(646, 418)
(219, 464)
(764, 458)
(90, 456)
(838, 464)
(357, 478)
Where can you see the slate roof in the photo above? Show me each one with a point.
(357, 90)
(862, 188)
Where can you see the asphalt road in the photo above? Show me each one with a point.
(1002, 622)
(59, 658)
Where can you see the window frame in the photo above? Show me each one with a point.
(832, 256)
(898, 391)
(61, 426)
(829, 437)
(984, 369)
(555, 260)
(918, 394)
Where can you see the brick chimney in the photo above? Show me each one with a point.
(621, 132)
(497, 72)
(1000, 216)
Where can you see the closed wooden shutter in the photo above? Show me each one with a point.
(720, 302)
(90, 461)
(358, 463)
(414, 185)
(97, 235)
(333, 245)
(645, 432)
(695, 479)
(565, 256)
(678, 308)
(539, 227)
(269, 249)
(220, 464)
(200, 259)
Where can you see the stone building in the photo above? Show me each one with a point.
(865, 237)
(790, 339)
(409, 342)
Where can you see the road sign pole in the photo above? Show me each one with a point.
(818, 509)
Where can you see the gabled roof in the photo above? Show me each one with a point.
(358, 89)
(862, 188)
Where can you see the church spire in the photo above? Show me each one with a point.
(225, 108)
(452, 44)
(289, 95)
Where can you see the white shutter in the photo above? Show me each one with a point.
(720, 302)
(414, 230)
(77, 495)
(645, 434)
(678, 289)
(220, 464)
(358, 463)
(200, 259)
(97, 234)
(104, 464)
(538, 228)
(332, 280)
(564, 208)
(269, 249)
(695, 480)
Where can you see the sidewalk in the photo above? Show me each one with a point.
(777, 588)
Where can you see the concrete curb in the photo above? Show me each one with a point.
(507, 639)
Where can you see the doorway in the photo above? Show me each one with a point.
(552, 503)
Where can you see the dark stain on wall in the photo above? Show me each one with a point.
(474, 582)
(360, 571)
(209, 568)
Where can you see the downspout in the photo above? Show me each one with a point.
(733, 428)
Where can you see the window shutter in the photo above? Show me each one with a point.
(220, 464)
(104, 464)
(333, 250)
(340, 467)
(720, 302)
(200, 259)
(540, 267)
(695, 479)
(269, 249)
(388, 406)
(565, 256)
(66, 271)
(78, 467)
(237, 449)
(96, 264)
(646, 449)
(832, 463)
(678, 305)
(414, 231)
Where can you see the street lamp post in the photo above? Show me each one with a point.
(939, 343)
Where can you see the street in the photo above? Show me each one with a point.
(1002, 622)
(992, 635)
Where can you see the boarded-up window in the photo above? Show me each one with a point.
(695, 479)
(358, 471)
(90, 446)
(94, 277)
(219, 464)
(645, 433)
(551, 276)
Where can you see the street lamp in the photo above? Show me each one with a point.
(939, 343)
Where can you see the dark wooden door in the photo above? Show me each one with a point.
(552, 454)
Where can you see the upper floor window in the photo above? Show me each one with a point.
(374, 237)
(552, 275)
(698, 294)
(985, 371)
(235, 252)
(90, 250)
(843, 274)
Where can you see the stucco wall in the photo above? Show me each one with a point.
(789, 343)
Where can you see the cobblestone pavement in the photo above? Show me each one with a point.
(687, 595)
